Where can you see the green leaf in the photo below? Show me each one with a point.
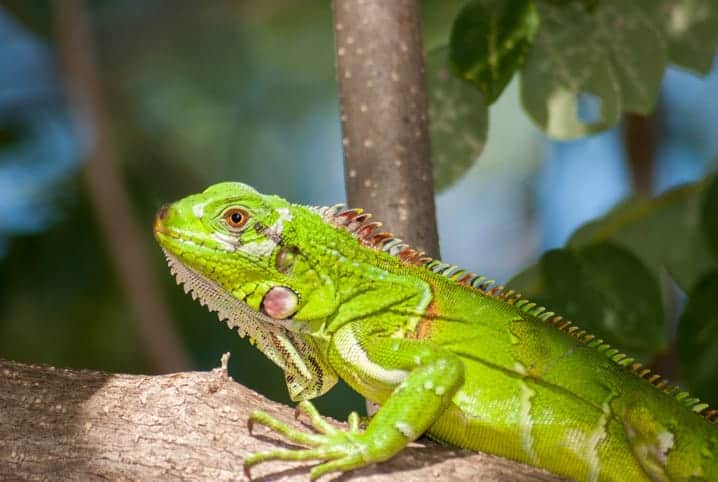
(637, 52)
(489, 41)
(698, 338)
(588, 65)
(459, 120)
(665, 232)
(607, 290)
(564, 65)
(709, 216)
(690, 28)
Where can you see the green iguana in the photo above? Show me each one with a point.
(325, 295)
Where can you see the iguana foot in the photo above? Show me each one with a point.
(340, 450)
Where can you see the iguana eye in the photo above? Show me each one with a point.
(236, 218)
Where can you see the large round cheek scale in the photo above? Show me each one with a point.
(280, 302)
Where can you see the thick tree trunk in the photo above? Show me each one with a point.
(60, 424)
(380, 68)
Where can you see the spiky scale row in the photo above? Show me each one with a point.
(356, 221)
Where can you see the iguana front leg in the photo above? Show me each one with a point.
(413, 380)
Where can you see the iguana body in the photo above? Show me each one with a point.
(325, 295)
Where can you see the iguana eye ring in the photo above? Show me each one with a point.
(236, 218)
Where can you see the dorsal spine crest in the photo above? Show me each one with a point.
(357, 222)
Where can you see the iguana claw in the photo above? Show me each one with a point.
(340, 449)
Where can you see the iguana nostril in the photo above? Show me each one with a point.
(162, 213)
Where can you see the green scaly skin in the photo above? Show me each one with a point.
(324, 295)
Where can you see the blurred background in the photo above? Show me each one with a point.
(182, 94)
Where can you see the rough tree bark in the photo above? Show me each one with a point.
(380, 67)
(60, 424)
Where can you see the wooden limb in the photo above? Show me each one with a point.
(380, 67)
(61, 424)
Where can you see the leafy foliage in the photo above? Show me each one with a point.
(582, 63)
(587, 67)
(665, 232)
(609, 53)
(489, 42)
(607, 279)
(698, 335)
(610, 291)
(459, 121)
(690, 28)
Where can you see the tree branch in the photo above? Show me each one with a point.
(380, 67)
(61, 424)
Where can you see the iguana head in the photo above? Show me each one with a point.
(231, 247)
(226, 233)
(236, 238)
